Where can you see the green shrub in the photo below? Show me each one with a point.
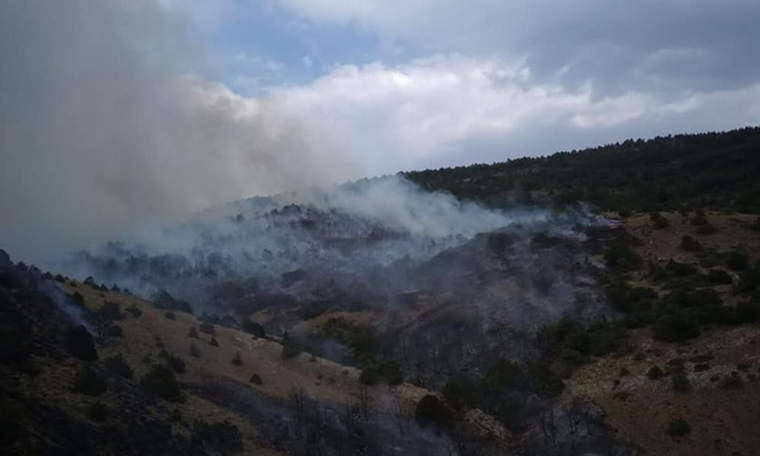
(81, 344)
(431, 410)
(115, 331)
(161, 382)
(748, 312)
(738, 261)
(134, 311)
(749, 280)
(545, 380)
(110, 311)
(387, 370)
(503, 374)
(461, 394)
(88, 382)
(680, 382)
(207, 328)
(251, 327)
(678, 427)
(213, 342)
(220, 437)
(690, 244)
(116, 365)
(256, 379)
(175, 363)
(170, 315)
(290, 347)
(97, 412)
(658, 221)
(676, 327)
(719, 277)
(237, 360)
(655, 372)
(194, 351)
(192, 333)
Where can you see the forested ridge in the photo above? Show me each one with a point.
(706, 170)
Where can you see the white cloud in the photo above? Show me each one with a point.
(423, 112)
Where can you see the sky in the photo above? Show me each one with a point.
(118, 113)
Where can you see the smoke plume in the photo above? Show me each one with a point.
(106, 123)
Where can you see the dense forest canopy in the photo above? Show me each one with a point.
(706, 170)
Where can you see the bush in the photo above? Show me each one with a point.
(77, 299)
(115, 331)
(207, 328)
(192, 333)
(88, 382)
(97, 412)
(110, 311)
(256, 380)
(747, 312)
(700, 219)
(461, 394)
(503, 374)
(170, 315)
(707, 229)
(116, 365)
(545, 380)
(162, 383)
(676, 327)
(749, 280)
(680, 382)
(655, 372)
(134, 311)
(251, 327)
(237, 360)
(658, 221)
(388, 371)
(690, 244)
(213, 342)
(175, 363)
(678, 427)
(221, 437)
(430, 410)
(194, 351)
(81, 344)
(719, 277)
(738, 261)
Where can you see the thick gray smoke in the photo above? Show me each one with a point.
(105, 124)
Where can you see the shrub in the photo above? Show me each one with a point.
(732, 382)
(655, 372)
(134, 311)
(700, 219)
(175, 363)
(749, 280)
(111, 311)
(738, 261)
(97, 412)
(690, 244)
(680, 382)
(220, 437)
(256, 379)
(431, 410)
(461, 394)
(207, 328)
(88, 382)
(658, 221)
(116, 365)
(503, 374)
(545, 380)
(115, 331)
(162, 383)
(707, 229)
(290, 347)
(81, 344)
(676, 327)
(170, 315)
(77, 299)
(194, 351)
(213, 342)
(678, 427)
(388, 371)
(719, 277)
(747, 312)
(251, 327)
(237, 360)
(192, 333)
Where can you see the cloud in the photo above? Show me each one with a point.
(102, 127)
(449, 107)
(617, 47)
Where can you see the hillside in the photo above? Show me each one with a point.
(378, 318)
